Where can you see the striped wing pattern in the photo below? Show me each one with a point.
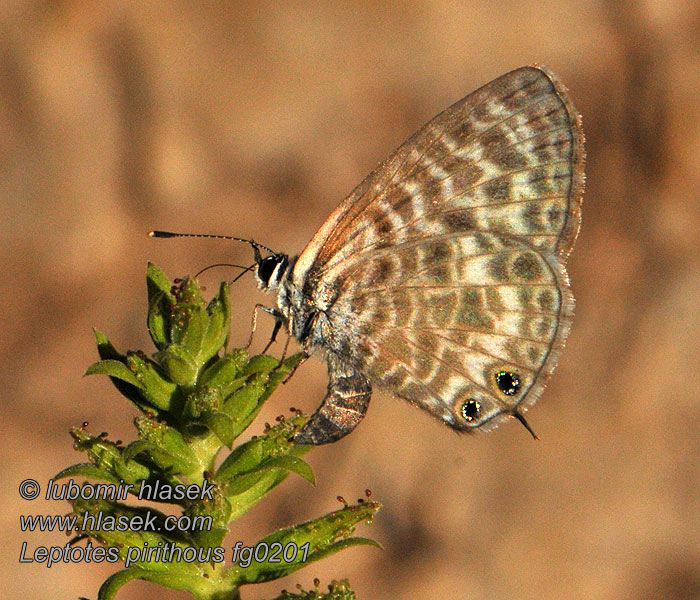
(442, 275)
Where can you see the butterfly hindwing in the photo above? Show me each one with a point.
(469, 308)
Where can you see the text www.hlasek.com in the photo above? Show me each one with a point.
(147, 521)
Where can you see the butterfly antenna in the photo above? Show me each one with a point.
(518, 415)
(171, 234)
(237, 277)
(245, 269)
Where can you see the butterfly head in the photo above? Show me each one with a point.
(270, 270)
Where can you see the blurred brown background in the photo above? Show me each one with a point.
(255, 119)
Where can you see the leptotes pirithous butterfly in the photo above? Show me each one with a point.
(441, 277)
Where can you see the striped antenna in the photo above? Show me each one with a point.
(170, 234)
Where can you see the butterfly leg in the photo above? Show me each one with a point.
(302, 360)
(306, 352)
(275, 331)
(304, 357)
(279, 320)
(342, 409)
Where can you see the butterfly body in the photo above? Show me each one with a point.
(442, 276)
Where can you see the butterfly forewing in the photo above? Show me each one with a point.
(442, 275)
(515, 140)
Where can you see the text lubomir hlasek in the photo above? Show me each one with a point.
(157, 491)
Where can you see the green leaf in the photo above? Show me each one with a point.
(107, 352)
(160, 302)
(261, 363)
(189, 319)
(259, 451)
(193, 332)
(257, 466)
(112, 584)
(157, 320)
(290, 463)
(221, 424)
(251, 488)
(264, 478)
(156, 282)
(264, 375)
(345, 543)
(277, 374)
(87, 470)
(205, 399)
(219, 509)
(116, 369)
(180, 576)
(322, 537)
(107, 457)
(244, 405)
(179, 365)
(226, 370)
(218, 324)
(157, 389)
(169, 450)
(135, 448)
(243, 481)
(242, 460)
(105, 348)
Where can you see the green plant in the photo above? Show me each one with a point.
(195, 400)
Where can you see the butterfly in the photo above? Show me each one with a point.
(441, 277)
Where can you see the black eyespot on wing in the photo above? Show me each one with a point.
(508, 383)
(470, 410)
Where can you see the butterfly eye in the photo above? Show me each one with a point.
(508, 383)
(267, 267)
(470, 410)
